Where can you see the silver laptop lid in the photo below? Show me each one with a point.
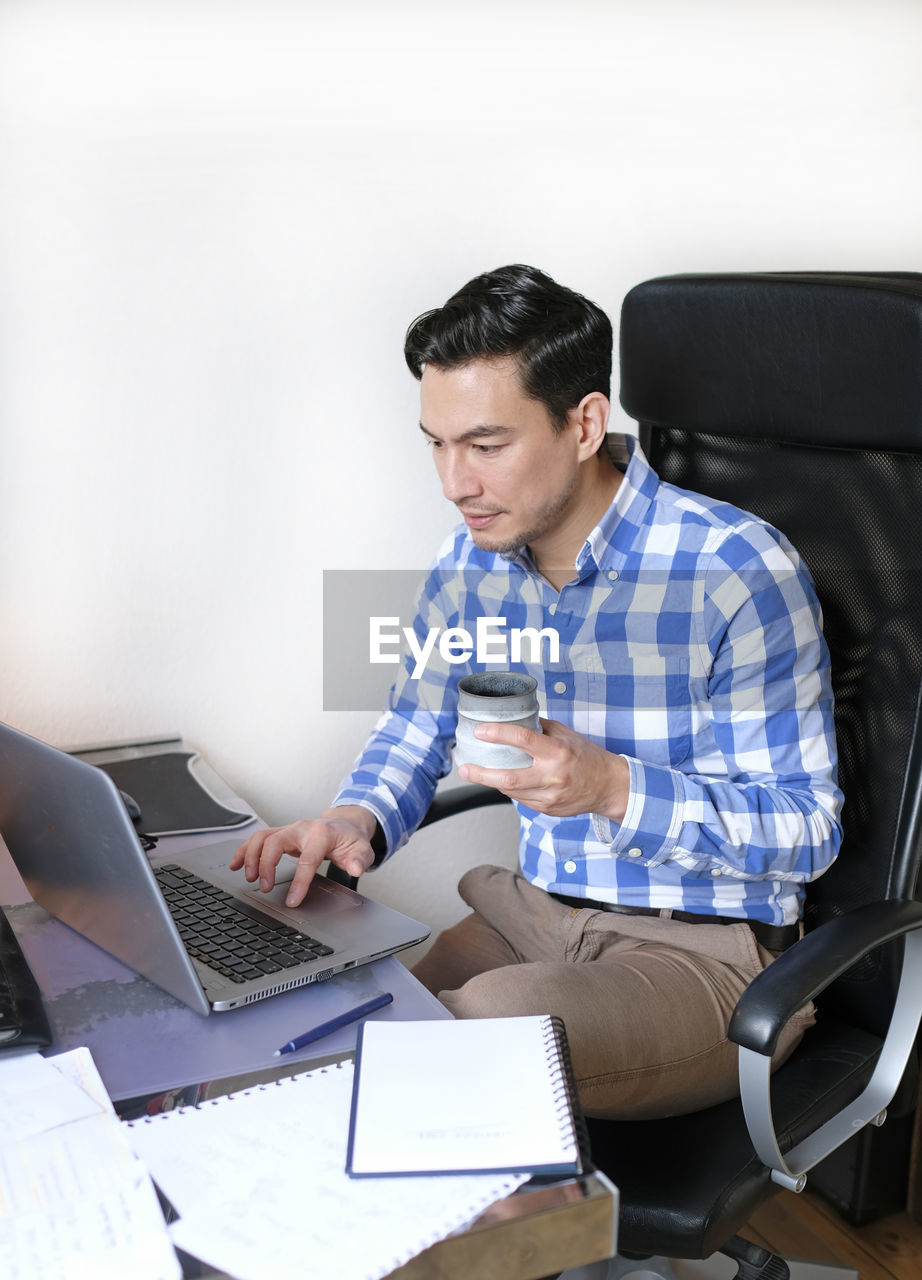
(73, 843)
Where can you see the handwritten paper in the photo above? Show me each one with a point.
(74, 1199)
(259, 1182)
(35, 1097)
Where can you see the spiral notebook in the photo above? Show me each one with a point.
(470, 1096)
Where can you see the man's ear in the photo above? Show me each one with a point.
(590, 420)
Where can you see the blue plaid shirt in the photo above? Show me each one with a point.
(691, 644)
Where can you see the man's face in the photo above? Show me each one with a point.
(510, 474)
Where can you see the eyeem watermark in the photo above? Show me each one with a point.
(488, 643)
(369, 639)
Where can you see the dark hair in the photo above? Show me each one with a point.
(561, 341)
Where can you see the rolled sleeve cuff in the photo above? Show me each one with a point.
(389, 821)
(653, 819)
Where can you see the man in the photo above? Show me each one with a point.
(683, 788)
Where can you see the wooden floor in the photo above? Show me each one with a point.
(805, 1227)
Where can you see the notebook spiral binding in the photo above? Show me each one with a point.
(566, 1096)
(451, 1223)
(231, 1097)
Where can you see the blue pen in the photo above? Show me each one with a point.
(341, 1020)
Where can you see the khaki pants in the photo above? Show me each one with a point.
(646, 1000)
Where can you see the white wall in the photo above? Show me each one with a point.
(216, 221)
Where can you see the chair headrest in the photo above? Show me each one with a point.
(813, 358)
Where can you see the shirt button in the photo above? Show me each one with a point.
(552, 608)
(635, 853)
(612, 574)
(715, 871)
(560, 687)
(569, 867)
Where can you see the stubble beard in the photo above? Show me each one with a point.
(542, 523)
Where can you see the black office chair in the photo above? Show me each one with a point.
(798, 397)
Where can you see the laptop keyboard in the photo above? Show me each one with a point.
(217, 929)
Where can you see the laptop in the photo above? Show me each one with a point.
(186, 922)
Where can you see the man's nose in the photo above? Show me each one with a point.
(458, 478)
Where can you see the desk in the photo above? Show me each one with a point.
(146, 1043)
(152, 1051)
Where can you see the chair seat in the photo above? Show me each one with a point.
(687, 1183)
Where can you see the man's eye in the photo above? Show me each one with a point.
(488, 448)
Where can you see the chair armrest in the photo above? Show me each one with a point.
(810, 965)
(460, 800)
(798, 975)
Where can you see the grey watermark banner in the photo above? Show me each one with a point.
(369, 636)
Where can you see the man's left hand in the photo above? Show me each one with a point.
(570, 774)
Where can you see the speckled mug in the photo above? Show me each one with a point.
(503, 697)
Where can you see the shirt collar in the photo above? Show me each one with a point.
(610, 541)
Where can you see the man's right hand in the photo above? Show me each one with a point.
(343, 835)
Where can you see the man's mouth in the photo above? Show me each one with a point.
(479, 519)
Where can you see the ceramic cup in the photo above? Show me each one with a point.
(506, 697)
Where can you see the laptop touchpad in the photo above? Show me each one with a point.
(324, 895)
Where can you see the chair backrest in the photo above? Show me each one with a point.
(799, 397)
